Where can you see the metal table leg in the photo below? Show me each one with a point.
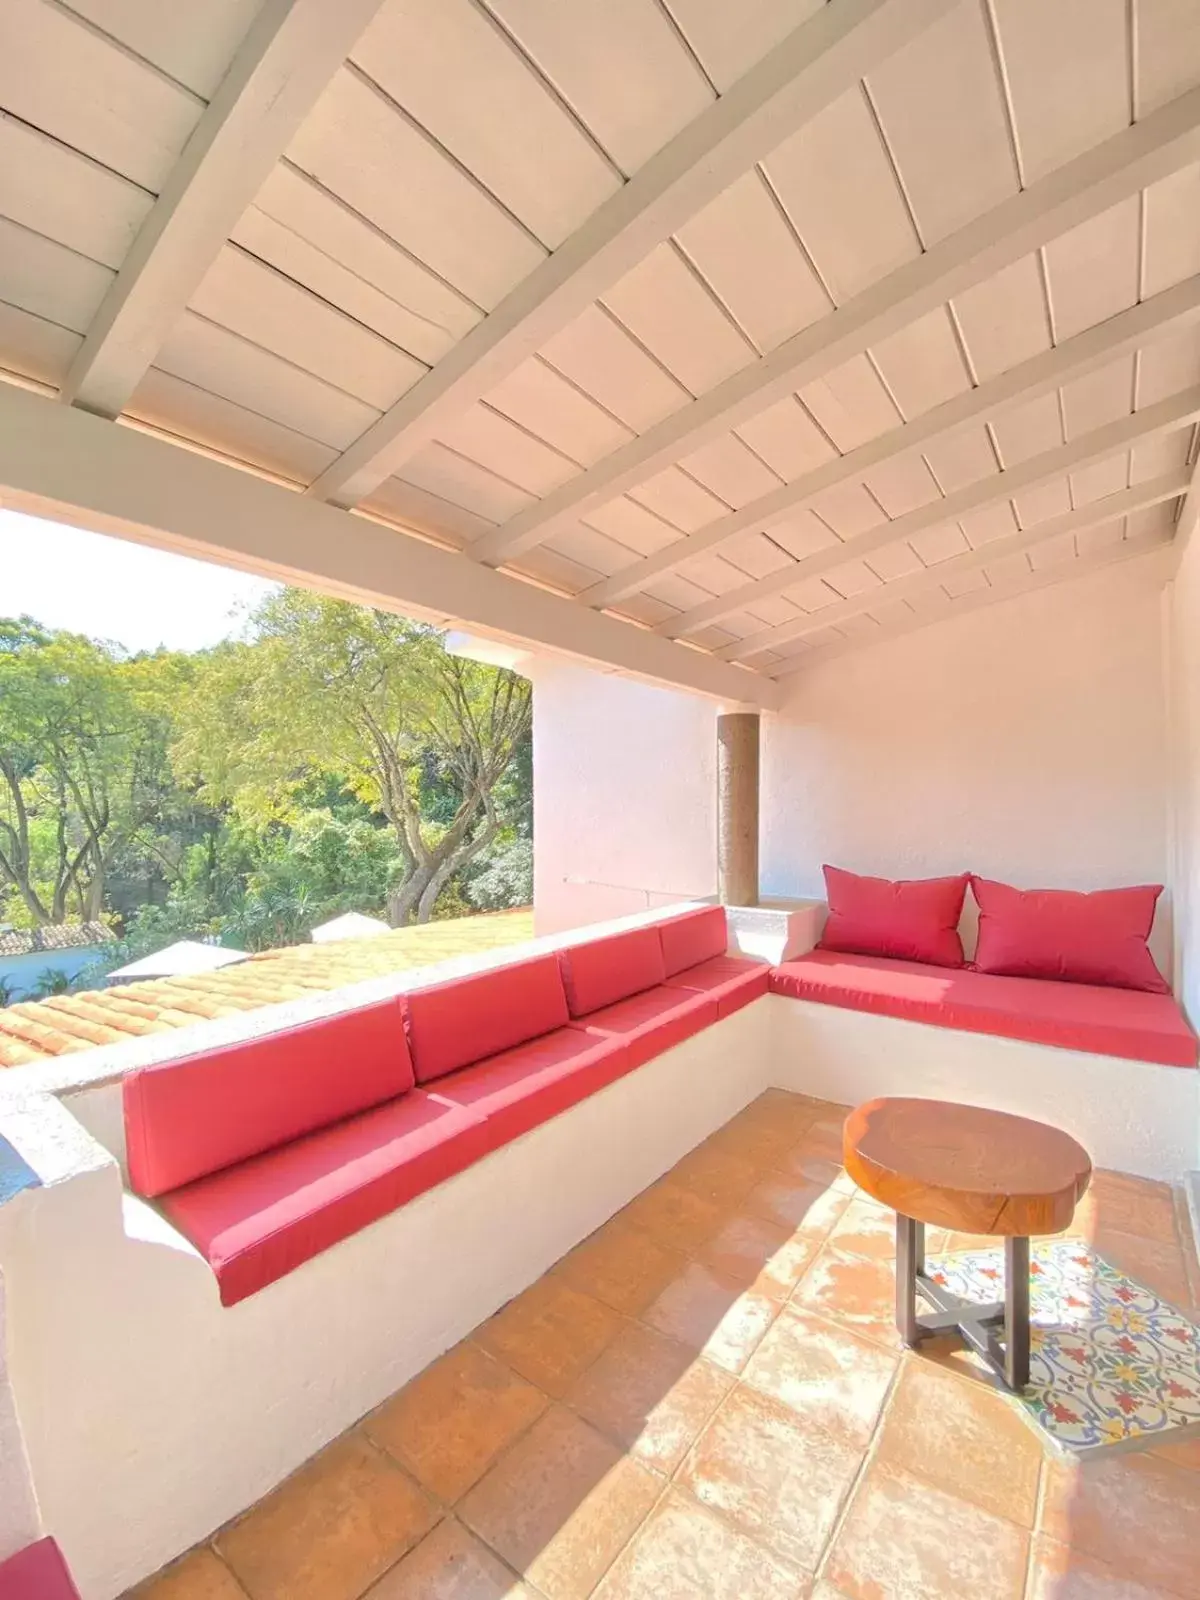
(977, 1325)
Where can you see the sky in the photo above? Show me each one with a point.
(111, 589)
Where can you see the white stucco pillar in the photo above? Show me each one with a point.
(737, 807)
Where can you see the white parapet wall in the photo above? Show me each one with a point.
(1132, 1116)
(152, 1414)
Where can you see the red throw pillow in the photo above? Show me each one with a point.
(913, 919)
(1064, 934)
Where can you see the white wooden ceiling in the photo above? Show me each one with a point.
(938, 343)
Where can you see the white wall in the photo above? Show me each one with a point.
(1184, 687)
(624, 779)
(1026, 742)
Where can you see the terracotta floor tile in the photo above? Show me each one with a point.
(451, 1422)
(331, 1529)
(777, 1477)
(713, 1314)
(450, 1564)
(715, 1175)
(199, 1576)
(1056, 1572)
(755, 1251)
(903, 1540)
(853, 1290)
(755, 1141)
(865, 1230)
(650, 1394)
(793, 1203)
(825, 1373)
(801, 1164)
(677, 1218)
(561, 1504)
(550, 1334)
(1184, 1453)
(783, 1109)
(823, 1138)
(964, 1439)
(1138, 1513)
(621, 1265)
(685, 1553)
(1134, 1205)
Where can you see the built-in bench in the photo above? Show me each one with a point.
(269, 1151)
(1128, 1023)
(266, 1152)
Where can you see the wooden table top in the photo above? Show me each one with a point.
(966, 1168)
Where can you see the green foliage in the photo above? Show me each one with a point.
(51, 981)
(336, 759)
(422, 739)
(506, 879)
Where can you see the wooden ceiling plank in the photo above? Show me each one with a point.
(1042, 374)
(806, 72)
(289, 55)
(1062, 201)
(1085, 451)
(1099, 513)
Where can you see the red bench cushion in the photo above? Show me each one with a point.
(649, 1023)
(692, 938)
(258, 1221)
(605, 970)
(188, 1118)
(732, 981)
(39, 1572)
(1074, 1016)
(452, 1024)
(521, 1088)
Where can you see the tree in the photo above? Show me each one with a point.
(83, 764)
(418, 735)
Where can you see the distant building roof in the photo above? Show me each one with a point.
(58, 936)
(36, 1030)
(180, 960)
(350, 925)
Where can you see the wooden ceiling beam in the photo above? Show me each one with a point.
(1076, 357)
(1166, 416)
(1110, 509)
(807, 71)
(1159, 145)
(290, 53)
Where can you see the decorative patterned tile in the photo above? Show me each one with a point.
(1110, 1360)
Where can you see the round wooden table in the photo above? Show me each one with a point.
(975, 1171)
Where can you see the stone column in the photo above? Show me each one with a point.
(737, 808)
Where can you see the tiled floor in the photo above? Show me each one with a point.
(707, 1400)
